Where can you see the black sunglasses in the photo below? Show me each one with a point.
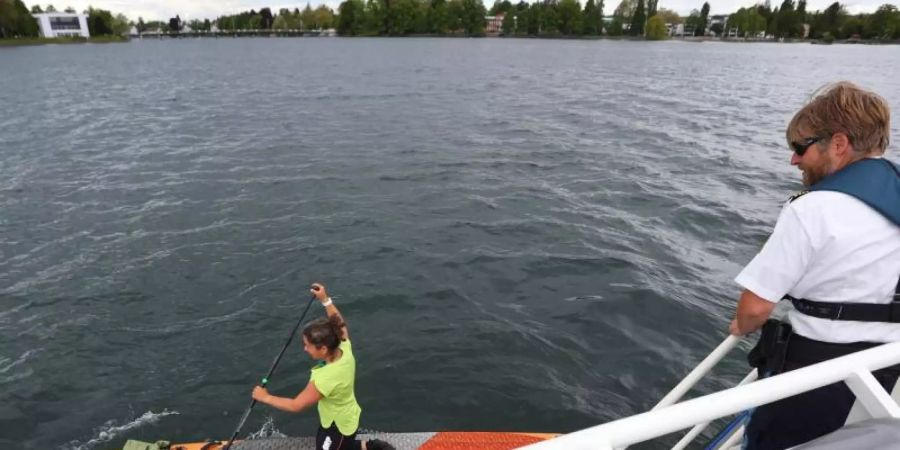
(801, 147)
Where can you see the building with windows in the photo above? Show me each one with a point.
(62, 24)
(493, 24)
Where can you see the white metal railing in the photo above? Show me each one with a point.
(691, 435)
(854, 369)
(699, 372)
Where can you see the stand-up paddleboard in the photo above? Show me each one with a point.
(444, 440)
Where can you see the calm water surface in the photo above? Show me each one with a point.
(522, 234)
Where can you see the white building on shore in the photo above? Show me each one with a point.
(62, 24)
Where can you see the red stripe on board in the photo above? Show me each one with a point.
(480, 441)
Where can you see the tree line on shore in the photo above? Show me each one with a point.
(543, 18)
(631, 17)
(15, 20)
(465, 17)
(319, 18)
(548, 18)
(791, 20)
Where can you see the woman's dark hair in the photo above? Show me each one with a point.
(325, 331)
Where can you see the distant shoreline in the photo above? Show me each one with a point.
(274, 34)
(21, 42)
(711, 39)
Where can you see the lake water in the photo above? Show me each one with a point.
(524, 235)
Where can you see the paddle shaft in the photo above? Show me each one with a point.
(265, 380)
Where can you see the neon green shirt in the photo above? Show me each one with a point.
(335, 382)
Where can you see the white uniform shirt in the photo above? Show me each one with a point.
(829, 247)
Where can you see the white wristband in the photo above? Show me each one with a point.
(328, 303)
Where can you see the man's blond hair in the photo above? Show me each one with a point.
(844, 107)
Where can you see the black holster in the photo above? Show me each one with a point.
(770, 352)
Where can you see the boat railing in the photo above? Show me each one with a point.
(668, 416)
(699, 372)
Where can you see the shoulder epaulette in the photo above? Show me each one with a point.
(798, 195)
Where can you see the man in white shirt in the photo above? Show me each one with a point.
(835, 253)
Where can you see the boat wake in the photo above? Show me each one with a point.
(111, 429)
(267, 431)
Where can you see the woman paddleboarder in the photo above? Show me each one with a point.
(331, 384)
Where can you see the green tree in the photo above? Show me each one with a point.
(174, 25)
(704, 18)
(26, 24)
(638, 20)
(747, 21)
(617, 26)
(756, 23)
(294, 22)
(772, 23)
(351, 18)
(454, 16)
(16, 20)
(500, 6)
(156, 25)
(472, 17)
(280, 22)
(738, 21)
(423, 8)
(50, 9)
(570, 20)
(549, 18)
(883, 23)
(266, 19)
(669, 16)
(508, 26)
(308, 18)
(600, 14)
(100, 22)
(375, 18)
(120, 25)
(833, 17)
(520, 18)
(592, 21)
(788, 20)
(8, 18)
(404, 16)
(324, 17)
(852, 27)
(656, 29)
(533, 14)
(692, 23)
(438, 17)
(36, 9)
(625, 9)
(652, 7)
(765, 9)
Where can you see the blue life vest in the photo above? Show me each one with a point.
(875, 182)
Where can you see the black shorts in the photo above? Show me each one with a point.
(331, 439)
(795, 420)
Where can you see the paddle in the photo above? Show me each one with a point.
(265, 380)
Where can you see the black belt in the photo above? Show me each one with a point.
(859, 312)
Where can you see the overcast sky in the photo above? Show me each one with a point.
(200, 9)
